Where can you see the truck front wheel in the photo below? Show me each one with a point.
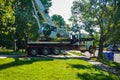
(33, 52)
(45, 51)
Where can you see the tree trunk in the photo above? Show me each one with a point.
(100, 53)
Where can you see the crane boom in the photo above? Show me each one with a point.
(48, 28)
(42, 11)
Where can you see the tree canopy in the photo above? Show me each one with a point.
(100, 14)
(25, 23)
(7, 20)
(16, 20)
(7, 17)
(58, 20)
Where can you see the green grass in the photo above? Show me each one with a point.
(77, 53)
(118, 49)
(111, 63)
(51, 69)
(64, 54)
(105, 49)
(10, 52)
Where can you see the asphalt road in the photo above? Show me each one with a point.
(116, 55)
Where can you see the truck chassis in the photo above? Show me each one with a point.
(35, 48)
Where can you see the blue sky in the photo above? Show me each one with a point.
(61, 7)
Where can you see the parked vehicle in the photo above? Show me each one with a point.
(112, 48)
(48, 31)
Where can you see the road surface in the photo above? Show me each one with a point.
(116, 55)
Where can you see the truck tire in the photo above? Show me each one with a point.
(33, 52)
(56, 51)
(45, 51)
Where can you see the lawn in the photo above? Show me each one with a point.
(77, 53)
(111, 63)
(51, 69)
(11, 52)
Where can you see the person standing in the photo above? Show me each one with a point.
(92, 50)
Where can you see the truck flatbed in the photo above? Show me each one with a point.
(45, 42)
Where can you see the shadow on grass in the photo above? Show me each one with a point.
(96, 76)
(11, 53)
(112, 64)
(90, 72)
(18, 62)
(79, 66)
(6, 52)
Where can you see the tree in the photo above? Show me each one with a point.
(7, 19)
(96, 13)
(115, 39)
(16, 18)
(58, 20)
(6, 15)
(25, 23)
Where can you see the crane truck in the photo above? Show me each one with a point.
(33, 48)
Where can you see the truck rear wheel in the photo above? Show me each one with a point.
(45, 51)
(56, 51)
(33, 52)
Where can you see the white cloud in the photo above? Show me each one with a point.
(61, 7)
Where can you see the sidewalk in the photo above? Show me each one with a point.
(105, 67)
(117, 57)
(99, 64)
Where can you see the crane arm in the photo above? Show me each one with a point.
(39, 6)
(48, 29)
